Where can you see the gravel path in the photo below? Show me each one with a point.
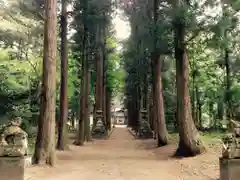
(122, 157)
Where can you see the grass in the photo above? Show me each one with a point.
(206, 137)
(212, 138)
(31, 145)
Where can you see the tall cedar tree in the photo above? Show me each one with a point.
(84, 97)
(45, 142)
(100, 74)
(62, 124)
(87, 130)
(80, 133)
(189, 143)
(162, 135)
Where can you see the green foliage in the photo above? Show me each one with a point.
(15, 86)
(208, 36)
(115, 72)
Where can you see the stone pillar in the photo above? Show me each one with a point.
(145, 129)
(229, 169)
(12, 168)
(144, 115)
(125, 117)
(99, 117)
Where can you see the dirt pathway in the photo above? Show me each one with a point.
(122, 157)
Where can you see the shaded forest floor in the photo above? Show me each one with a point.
(122, 157)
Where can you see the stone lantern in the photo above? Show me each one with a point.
(100, 128)
(13, 150)
(230, 160)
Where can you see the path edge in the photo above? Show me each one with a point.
(132, 133)
(110, 133)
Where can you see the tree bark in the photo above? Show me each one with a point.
(104, 101)
(45, 142)
(108, 109)
(104, 85)
(99, 78)
(220, 110)
(80, 133)
(150, 110)
(228, 88)
(87, 76)
(62, 127)
(198, 109)
(145, 92)
(132, 109)
(158, 104)
(87, 131)
(129, 112)
(194, 97)
(162, 134)
(211, 114)
(189, 143)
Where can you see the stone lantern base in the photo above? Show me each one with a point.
(229, 169)
(12, 168)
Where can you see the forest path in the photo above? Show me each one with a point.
(122, 157)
